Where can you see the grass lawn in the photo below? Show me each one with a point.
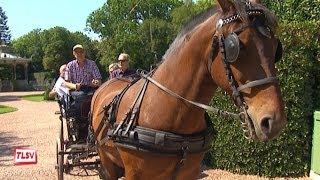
(6, 109)
(34, 97)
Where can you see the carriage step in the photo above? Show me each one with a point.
(82, 147)
(78, 146)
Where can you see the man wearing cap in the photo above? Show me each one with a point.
(84, 73)
(123, 61)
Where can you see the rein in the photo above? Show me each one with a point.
(203, 106)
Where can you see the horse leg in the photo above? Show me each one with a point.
(110, 166)
(107, 170)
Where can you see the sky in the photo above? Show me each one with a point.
(27, 15)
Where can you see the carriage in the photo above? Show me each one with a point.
(72, 146)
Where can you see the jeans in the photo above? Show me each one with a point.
(81, 121)
(78, 97)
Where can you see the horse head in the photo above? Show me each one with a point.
(245, 48)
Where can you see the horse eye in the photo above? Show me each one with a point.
(279, 50)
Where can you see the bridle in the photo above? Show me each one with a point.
(219, 39)
(247, 124)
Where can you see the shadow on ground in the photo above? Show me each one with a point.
(202, 173)
(8, 98)
(84, 171)
(8, 142)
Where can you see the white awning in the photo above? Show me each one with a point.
(6, 58)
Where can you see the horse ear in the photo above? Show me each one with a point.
(225, 5)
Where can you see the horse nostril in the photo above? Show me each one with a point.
(266, 125)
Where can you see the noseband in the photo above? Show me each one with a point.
(229, 48)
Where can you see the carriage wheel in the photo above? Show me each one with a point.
(67, 168)
(60, 158)
(61, 137)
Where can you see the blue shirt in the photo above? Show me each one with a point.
(118, 73)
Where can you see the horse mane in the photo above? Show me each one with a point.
(240, 8)
(189, 26)
(196, 20)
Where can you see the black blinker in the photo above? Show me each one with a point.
(232, 47)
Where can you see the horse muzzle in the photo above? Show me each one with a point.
(268, 126)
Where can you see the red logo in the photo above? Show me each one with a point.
(25, 156)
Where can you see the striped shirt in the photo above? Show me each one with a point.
(84, 75)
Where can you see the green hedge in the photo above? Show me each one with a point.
(290, 154)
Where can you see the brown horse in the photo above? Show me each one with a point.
(155, 127)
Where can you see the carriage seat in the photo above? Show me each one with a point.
(76, 108)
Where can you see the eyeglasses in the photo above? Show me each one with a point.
(122, 60)
(79, 52)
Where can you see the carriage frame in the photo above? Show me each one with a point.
(71, 150)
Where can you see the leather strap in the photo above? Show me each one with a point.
(258, 83)
(156, 141)
(203, 106)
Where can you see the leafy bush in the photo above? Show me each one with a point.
(46, 94)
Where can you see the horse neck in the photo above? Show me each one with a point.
(187, 76)
(185, 72)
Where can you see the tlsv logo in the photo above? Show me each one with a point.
(25, 156)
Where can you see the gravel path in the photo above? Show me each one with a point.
(33, 126)
(36, 126)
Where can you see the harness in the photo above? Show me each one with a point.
(128, 134)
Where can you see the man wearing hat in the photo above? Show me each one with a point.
(123, 61)
(84, 73)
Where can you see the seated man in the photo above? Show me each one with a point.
(123, 69)
(85, 76)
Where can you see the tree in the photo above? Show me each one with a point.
(58, 43)
(5, 35)
(51, 48)
(139, 28)
(182, 14)
(30, 46)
